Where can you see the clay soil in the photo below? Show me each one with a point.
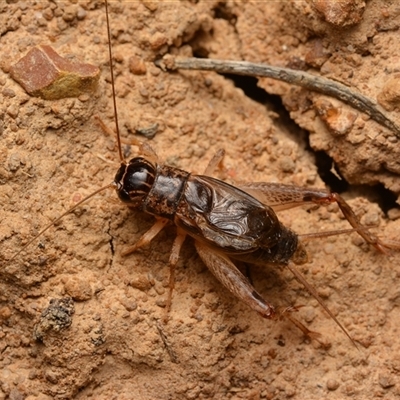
(109, 341)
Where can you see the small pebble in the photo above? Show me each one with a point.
(332, 384)
(389, 97)
(394, 213)
(51, 376)
(56, 317)
(7, 92)
(140, 282)
(78, 289)
(386, 380)
(5, 313)
(287, 164)
(137, 66)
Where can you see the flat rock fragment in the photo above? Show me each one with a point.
(44, 73)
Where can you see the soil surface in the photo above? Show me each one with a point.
(80, 320)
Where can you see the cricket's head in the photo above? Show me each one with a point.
(134, 180)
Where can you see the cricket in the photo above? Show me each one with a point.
(216, 217)
(229, 224)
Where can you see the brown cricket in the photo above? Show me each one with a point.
(227, 223)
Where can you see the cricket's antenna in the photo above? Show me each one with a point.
(47, 227)
(113, 86)
(299, 276)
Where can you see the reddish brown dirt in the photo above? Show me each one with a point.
(53, 153)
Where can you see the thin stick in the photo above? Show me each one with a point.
(168, 347)
(295, 77)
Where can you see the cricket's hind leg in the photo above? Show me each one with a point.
(282, 197)
(227, 273)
